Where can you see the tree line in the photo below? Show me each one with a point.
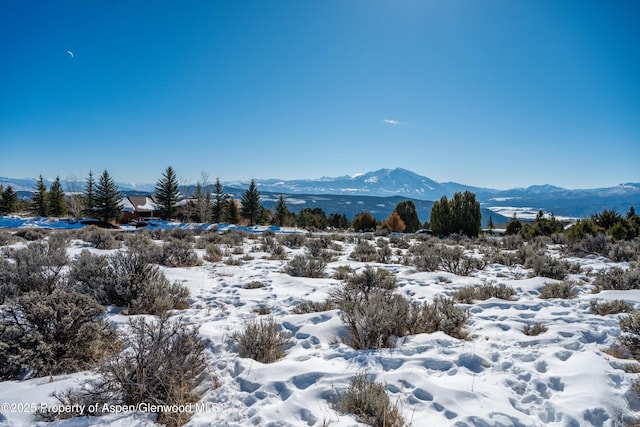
(99, 198)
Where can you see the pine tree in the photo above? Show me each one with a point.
(230, 212)
(514, 226)
(251, 203)
(440, 217)
(409, 215)
(8, 200)
(40, 206)
(218, 204)
(167, 194)
(490, 225)
(107, 199)
(364, 222)
(57, 205)
(282, 212)
(90, 195)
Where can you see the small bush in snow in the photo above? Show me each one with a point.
(454, 260)
(610, 307)
(179, 253)
(262, 341)
(313, 307)
(99, 238)
(364, 252)
(425, 256)
(470, 293)
(342, 272)
(301, 266)
(89, 274)
(49, 334)
(369, 402)
(213, 253)
(32, 234)
(562, 290)
(618, 279)
(142, 287)
(163, 364)
(293, 241)
(625, 251)
(550, 267)
(140, 243)
(441, 315)
(534, 329)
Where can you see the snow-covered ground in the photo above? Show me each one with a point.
(497, 377)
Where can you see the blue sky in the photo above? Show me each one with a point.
(489, 93)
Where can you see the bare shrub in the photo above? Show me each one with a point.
(89, 274)
(179, 253)
(301, 266)
(181, 234)
(293, 240)
(163, 365)
(140, 243)
(546, 266)
(342, 272)
(38, 267)
(213, 253)
(625, 251)
(598, 244)
(32, 234)
(313, 307)
(99, 238)
(454, 260)
(425, 257)
(470, 293)
(610, 307)
(618, 279)
(564, 290)
(141, 287)
(262, 340)
(48, 334)
(534, 329)
(364, 252)
(441, 315)
(256, 284)
(369, 402)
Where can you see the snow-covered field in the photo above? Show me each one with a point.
(497, 377)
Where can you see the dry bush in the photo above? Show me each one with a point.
(38, 267)
(179, 253)
(468, 294)
(534, 329)
(441, 315)
(301, 266)
(546, 266)
(625, 251)
(598, 244)
(32, 234)
(564, 290)
(364, 252)
(141, 287)
(213, 253)
(98, 237)
(342, 272)
(313, 307)
(454, 260)
(425, 256)
(293, 240)
(163, 364)
(369, 402)
(141, 244)
(618, 279)
(610, 307)
(89, 274)
(254, 285)
(49, 334)
(262, 340)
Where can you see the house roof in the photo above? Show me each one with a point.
(138, 204)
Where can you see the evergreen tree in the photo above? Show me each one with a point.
(490, 225)
(167, 194)
(409, 216)
(90, 195)
(338, 221)
(231, 215)
(251, 203)
(364, 222)
(514, 226)
(8, 200)
(57, 205)
(282, 212)
(40, 205)
(107, 199)
(440, 218)
(218, 203)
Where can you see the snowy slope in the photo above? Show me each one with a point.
(498, 377)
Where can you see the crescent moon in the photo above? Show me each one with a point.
(70, 53)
